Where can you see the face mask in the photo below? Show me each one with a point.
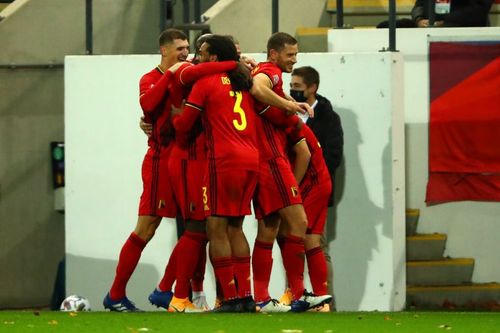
(298, 95)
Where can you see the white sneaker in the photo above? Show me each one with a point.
(315, 301)
(200, 301)
(271, 306)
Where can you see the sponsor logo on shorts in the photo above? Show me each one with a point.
(294, 190)
(161, 204)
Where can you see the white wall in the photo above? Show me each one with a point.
(472, 227)
(105, 149)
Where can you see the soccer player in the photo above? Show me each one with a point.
(311, 172)
(277, 195)
(156, 200)
(226, 109)
(186, 168)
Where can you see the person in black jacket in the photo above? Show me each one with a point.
(458, 13)
(326, 124)
(327, 128)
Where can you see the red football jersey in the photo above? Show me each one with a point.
(317, 171)
(229, 122)
(193, 145)
(272, 141)
(153, 88)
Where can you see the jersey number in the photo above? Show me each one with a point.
(240, 126)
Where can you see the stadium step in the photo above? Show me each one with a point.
(312, 39)
(425, 247)
(439, 272)
(463, 297)
(412, 216)
(366, 7)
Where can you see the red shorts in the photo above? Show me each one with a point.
(187, 178)
(230, 192)
(315, 199)
(157, 197)
(276, 187)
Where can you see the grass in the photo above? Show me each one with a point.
(401, 322)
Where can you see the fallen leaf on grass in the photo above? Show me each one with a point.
(73, 314)
(291, 331)
(446, 327)
(387, 318)
(8, 322)
(53, 322)
(143, 329)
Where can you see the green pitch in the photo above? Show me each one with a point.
(101, 322)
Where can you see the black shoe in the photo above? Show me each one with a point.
(247, 304)
(232, 305)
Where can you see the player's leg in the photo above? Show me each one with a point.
(198, 276)
(220, 252)
(262, 256)
(262, 263)
(293, 251)
(189, 247)
(316, 263)
(130, 254)
(241, 262)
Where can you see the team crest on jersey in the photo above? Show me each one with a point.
(276, 79)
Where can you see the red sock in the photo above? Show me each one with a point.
(262, 264)
(224, 272)
(129, 257)
(293, 260)
(243, 277)
(168, 278)
(189, 245)
(318, 273)
(199, 272)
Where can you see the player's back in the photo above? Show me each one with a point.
(229, 122)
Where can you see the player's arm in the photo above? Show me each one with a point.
(262, 91)
(184, 119)
(279, 119)
(151, 93)
(190, 74)
(302, 158)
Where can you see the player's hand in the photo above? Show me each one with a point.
(147, 128)
(423, 23)
(249, 63)
(306, 108)
(299, 107)
(176, 66)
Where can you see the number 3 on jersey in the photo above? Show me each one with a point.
(240, 126)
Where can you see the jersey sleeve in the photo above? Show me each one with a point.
(153, 93)
(191, 111)
(190, 74)
(271, 72)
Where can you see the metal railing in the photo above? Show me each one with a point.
(392, 22)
